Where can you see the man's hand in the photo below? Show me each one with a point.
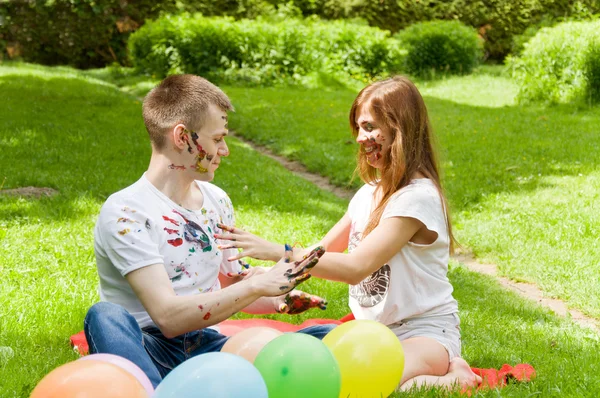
(296, 302)
(284, 276)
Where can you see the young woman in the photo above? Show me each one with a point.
(398, 235)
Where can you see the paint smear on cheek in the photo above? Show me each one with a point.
(201, 152)
(175, 167)
(187, 141)
(198, 166)
(375, 155)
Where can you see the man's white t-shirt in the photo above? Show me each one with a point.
(414, 283)
(140, 226)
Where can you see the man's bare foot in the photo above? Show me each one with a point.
(461, 373)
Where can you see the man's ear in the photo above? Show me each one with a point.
(180, 138)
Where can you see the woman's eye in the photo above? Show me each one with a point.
(369, 127)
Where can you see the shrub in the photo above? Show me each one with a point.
(440, 47)
(83, 33)
(560, 64)
(259, 50)
(498, 21)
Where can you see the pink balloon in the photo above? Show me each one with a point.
(124, 364)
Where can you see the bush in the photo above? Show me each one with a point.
(260, 51)
(497, 21)
(92, 33)
(560, 64)
(440, 47)
(83, 33)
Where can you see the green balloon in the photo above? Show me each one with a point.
(297, 365)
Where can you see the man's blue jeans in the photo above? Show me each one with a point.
(110, 329)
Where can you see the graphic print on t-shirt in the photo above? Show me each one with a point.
(190, 239)
(371, 290)
(193, 233)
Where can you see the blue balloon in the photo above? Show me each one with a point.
(216, 374)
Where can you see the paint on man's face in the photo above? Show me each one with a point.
(187, 141)
(201, 155)
(201, 152)
(176, 167)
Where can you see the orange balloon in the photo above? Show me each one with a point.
(89, 379)
(249, 342)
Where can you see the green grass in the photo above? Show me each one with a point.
(522, 181)
(63, 129)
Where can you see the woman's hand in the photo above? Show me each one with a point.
(296, 302)
(251, 245)
(284, 276)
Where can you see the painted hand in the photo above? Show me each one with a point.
(284, 276)
(296, 302)
(249, 272)
(250, 244)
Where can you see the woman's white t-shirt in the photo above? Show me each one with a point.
(414, 283)
(140, 226)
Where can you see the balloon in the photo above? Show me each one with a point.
(297, 365)
(216, 374)
(89, 379)
(124, 364)
(249, 342)
(370, 357)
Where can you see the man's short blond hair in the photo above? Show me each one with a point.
(180, 99)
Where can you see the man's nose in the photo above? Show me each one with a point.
(223, 150)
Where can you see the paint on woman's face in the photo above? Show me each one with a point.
(373, 149)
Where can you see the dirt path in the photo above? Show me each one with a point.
(527, 290)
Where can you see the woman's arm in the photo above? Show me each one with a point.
(253, 246)
(387, 239)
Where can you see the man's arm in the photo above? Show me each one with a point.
(263, 305)
(175, 315)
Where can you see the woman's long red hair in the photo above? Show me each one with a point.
(397, 106)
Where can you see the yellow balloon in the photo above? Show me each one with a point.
(370, 357)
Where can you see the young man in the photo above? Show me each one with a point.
(164, 283)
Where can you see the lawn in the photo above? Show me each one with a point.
(523, 181)
(62, 129)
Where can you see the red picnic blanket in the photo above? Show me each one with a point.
(491, 378)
